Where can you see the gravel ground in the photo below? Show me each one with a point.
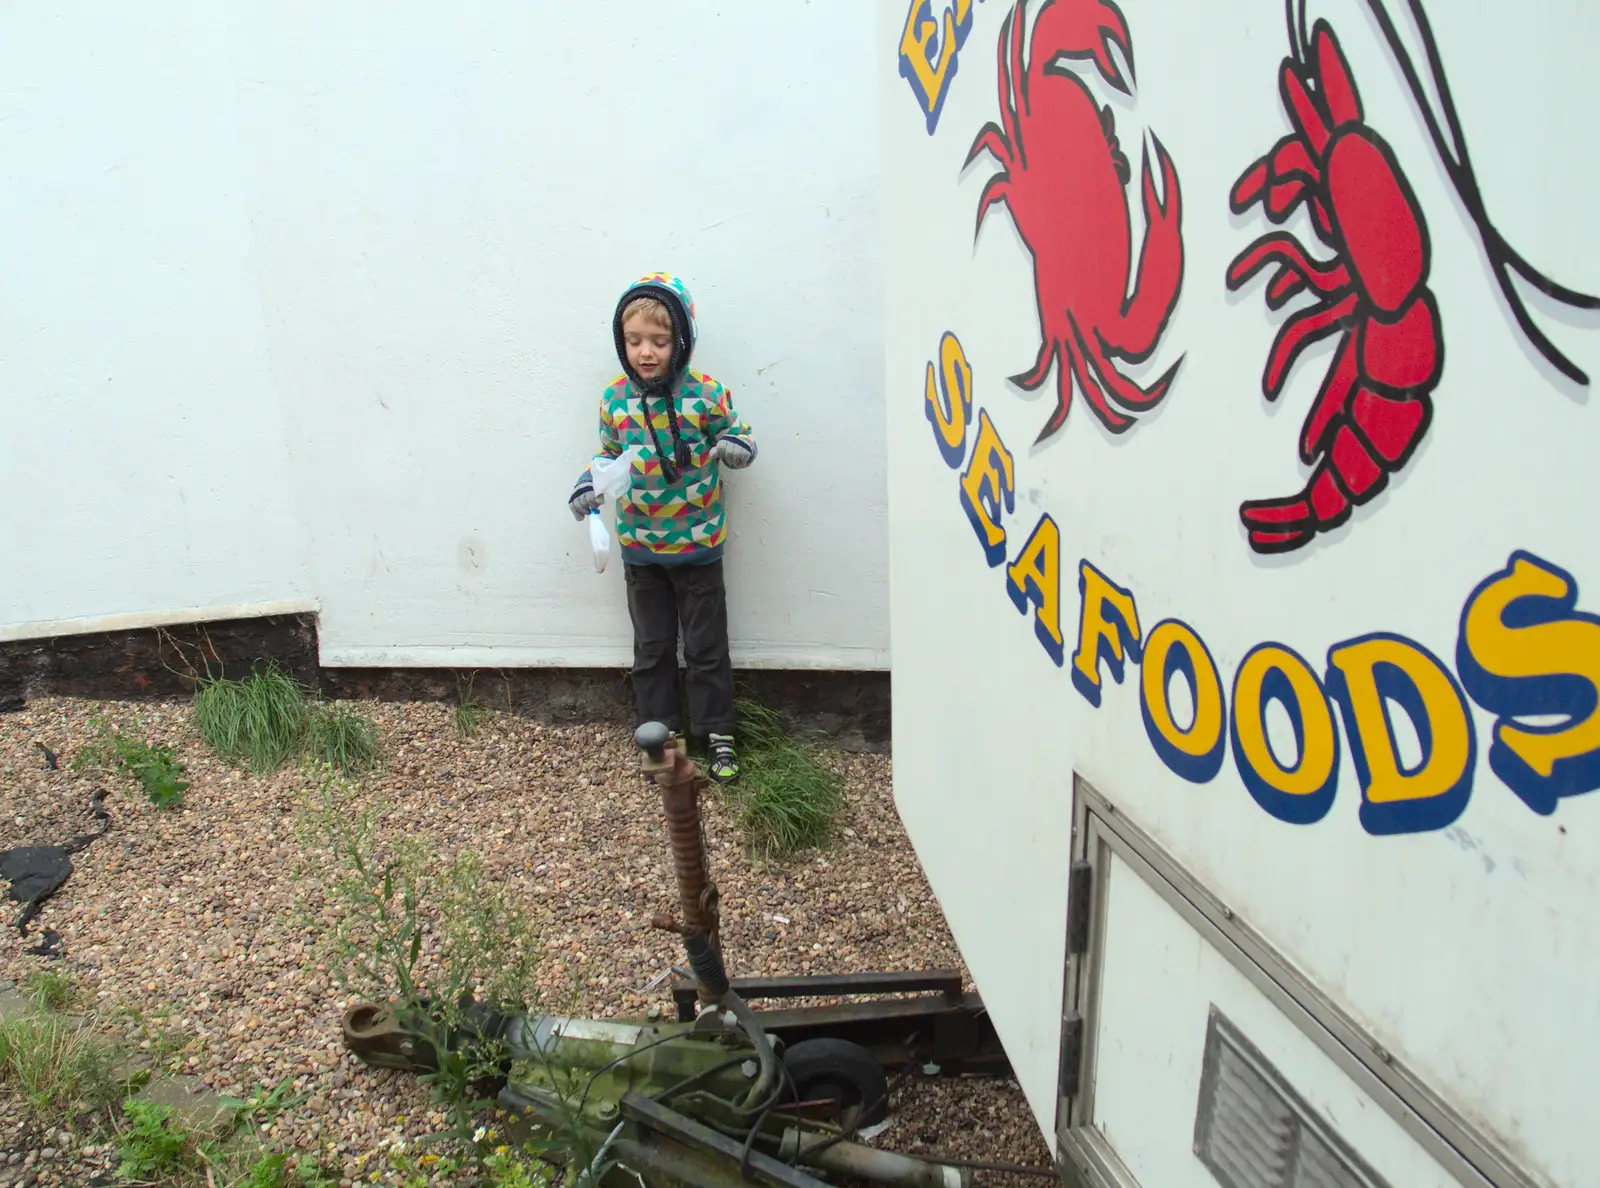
(189, 914)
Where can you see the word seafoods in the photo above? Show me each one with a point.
(1523, 651)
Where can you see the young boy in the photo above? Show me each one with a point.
(671, 523)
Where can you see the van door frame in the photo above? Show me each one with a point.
(1100, 829)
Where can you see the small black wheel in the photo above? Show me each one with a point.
(838, 1070)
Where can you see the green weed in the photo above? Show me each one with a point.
(158, 771)
(156, 1148)
(264, 1105)
(268, 1172)
(785, 800)
(309, 1173)
(396, 899)
(398, 1163)
(275, 1171)
(168, 1048)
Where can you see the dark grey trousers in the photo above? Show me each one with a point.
(660, 598)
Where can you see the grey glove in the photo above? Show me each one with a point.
(733, 454)
(583, 501)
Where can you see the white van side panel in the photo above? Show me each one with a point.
(1335, 736)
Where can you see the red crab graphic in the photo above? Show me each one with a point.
(1374, 405)
(1065, 182)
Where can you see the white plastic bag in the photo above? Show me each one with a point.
(611, 476)
(599, 540)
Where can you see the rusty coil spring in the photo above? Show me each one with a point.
(696, 892)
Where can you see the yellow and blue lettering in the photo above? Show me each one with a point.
(1524, 650)
(988, 486)
(1035, 577)
(1368, 675)
(1108, 629)
(947, 397)
(1195, 752)
(928, 66)
(1301, 794)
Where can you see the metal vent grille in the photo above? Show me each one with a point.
(1252, 1130)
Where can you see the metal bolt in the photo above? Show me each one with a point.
(749, 1068)
(931, 1070)
(608, 1109)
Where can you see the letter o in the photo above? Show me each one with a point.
(1301, 794)
(1194, 754)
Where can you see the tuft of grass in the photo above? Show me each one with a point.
(343, 739)
(470, 710)
(56, 1068)
(785, 800)
(155, 767)
(760, 728)
(50, 989)
(262, 721)
(257, 722)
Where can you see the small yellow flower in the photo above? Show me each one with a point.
(501, 1149)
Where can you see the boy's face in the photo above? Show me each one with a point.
(649, 345)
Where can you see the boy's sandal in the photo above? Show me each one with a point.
(723, 765)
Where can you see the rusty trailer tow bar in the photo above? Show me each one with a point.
(941, 1028)
(699, 902)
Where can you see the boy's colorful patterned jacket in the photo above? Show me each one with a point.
(673, 513)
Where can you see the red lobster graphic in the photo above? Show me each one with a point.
(1375, 403)
(1065, 182)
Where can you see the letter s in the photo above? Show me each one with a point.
(1524, 650)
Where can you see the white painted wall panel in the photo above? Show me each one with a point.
(426, 222)
(142, 445)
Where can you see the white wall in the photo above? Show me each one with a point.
(1468, 944)
(311, 303)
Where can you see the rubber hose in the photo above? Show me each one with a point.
(769, 1059)
(707, 964)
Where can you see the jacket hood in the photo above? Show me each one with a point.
(674, 294)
